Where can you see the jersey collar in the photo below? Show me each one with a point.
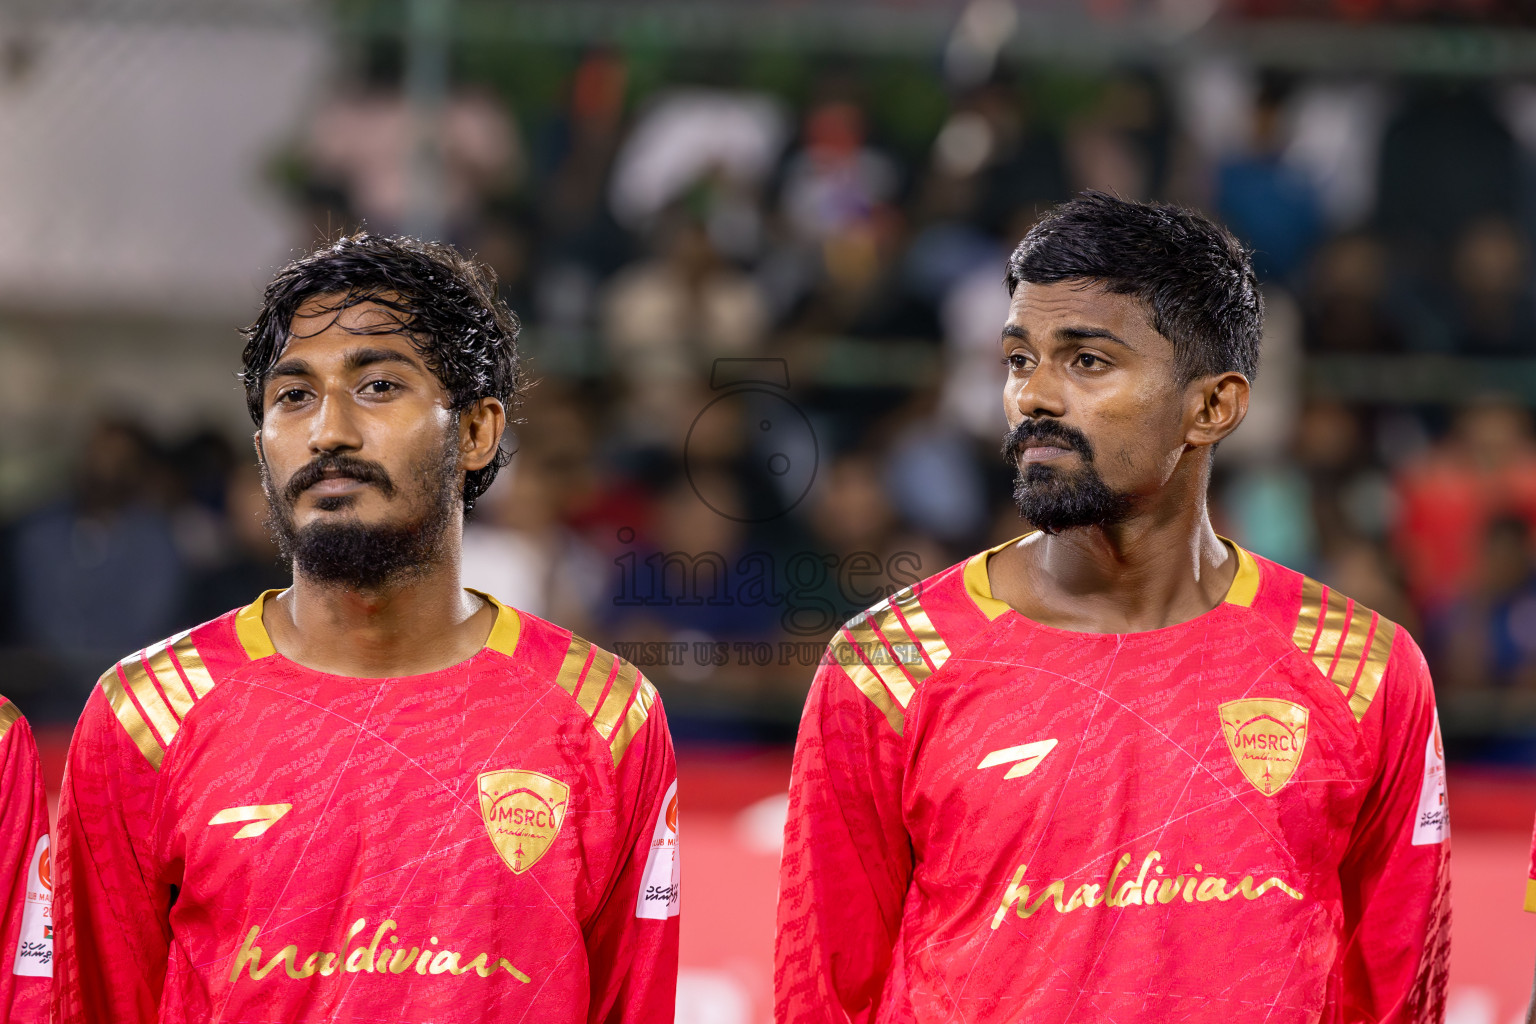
(1244, 588)
(257, 643)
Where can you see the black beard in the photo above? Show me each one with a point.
(1050, 499)
(363, 556)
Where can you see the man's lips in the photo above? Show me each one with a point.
(334, 485)
(1042, 453)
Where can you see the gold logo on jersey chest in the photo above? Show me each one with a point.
(523, 812)
(1266, 736)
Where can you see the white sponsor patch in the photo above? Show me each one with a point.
(34, 950)
(660, 890)
(1433, 819)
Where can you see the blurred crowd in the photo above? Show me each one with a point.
(761, 331)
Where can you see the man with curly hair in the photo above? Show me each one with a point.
(375, 795)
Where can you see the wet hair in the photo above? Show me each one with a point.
(443, 302)
(1191, 274)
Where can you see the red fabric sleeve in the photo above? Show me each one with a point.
(111, 903)
(632, 941)
(23, 997)
(1396, 875)
(847, 858)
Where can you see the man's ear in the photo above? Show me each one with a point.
(480, 430)
(261, 456)
(1217, 404)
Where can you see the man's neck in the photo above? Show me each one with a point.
(422, 625)
(1148, 573)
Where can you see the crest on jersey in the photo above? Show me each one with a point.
(1266, 736)
(523, 812)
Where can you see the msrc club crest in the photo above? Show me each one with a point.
(523, 812)
(1266, 736)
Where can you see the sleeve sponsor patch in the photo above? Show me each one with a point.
(34, 950)
(660, 888)
(1433, 819)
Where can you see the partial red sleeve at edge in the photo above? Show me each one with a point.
(633, 959)
(1397, 895)
(24, 999)
(847, 859)
(111, 908)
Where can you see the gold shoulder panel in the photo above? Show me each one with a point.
(1245, 585)
(889, 651)
(1349, 643)
(153, 691)
(978, 585)
(612, 693)
(252, 631)
(507, 627)
(9, 716)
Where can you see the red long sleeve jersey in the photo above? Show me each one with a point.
(1237, 818)
(26, 929)
(245, 839)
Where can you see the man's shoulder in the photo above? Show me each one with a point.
(890, 649)
(610, 694)
(1350, 645)
(152, 691)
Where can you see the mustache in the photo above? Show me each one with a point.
(360, 470)
(1040, 433)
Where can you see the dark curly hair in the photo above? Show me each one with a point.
(1195, 278)
(445, 303)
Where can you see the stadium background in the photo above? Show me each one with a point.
(757, 246)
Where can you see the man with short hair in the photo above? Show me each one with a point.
(1118, 769)
(374, 795)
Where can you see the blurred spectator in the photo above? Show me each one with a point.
(1447, 159)
(362, 141)
(517, 549)
(835, 184)
(1347, 308)
(97, 573)
(1267, 202)
(1488, 638)
(1121, 145)
(666, 319)
(248, 563)
(1485, 470)
(1492, 275)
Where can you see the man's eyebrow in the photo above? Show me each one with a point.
(290, 368)
(361, 357)
(1071, 334)
(1083, 333)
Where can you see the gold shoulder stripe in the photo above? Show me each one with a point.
(9, 716)
(626, 678)
(1530, 894)
(197, 674)
(131, 719)
(612, 692)
(177, 691)
(922, 630)
(147, 696)
(1349, 643)
(883, 661)
(634, 718)
(1373, 666)
(568, 678)
(152, 692)
(847, 654)
(889, 651)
